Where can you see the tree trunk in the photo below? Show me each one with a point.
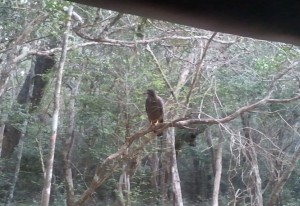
(255, 168)
(26, 101)
(211, 149)
(4, 79)
(27, 30)
(57, 94)
(154, 164)
(164, 170)
(69, 146)
(18, 164)
(253, 158)
(169, 177)
(122, 186)
(196, 178)
(12, 134)
(218, 172)
(2, 128)
(174, 170)
(284, 178)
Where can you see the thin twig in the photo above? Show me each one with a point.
(148, 48)
(199, 67)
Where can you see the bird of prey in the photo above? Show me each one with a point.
(154, 108)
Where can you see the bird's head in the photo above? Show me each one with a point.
(150, 92)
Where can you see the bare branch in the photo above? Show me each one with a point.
(283, 72)
(111, 24)
(57, 99)
(102, 41)
(75, 16)
(30, 27)
(105, 169)
(283, 100)
(148, 48)
(231, 116)
(284, 177)
(199, 67)
(55, 50)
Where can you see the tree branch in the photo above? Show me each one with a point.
(148, 48)
(106, 168)
(103, 41)
(199, 67)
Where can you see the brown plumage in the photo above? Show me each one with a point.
(154, 108)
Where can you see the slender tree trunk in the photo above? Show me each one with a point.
(154, 164)
(169, 177)
(164, 169)
(255, 168)
(18, 164)
(57, 93)
(124, 187)
(277, 189)
(218, 172)
(121, 186)
(127, 191)
(253, 158)
(174, 170)
(196, 178)
(3, 82)
(2, 127)
(124, 180)
(211, 149)
(3, 117)
(69, 146)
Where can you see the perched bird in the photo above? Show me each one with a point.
(154, 108)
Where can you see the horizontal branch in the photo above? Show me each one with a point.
(55, 50)
(231, 116)
(150, 40)
(106, 168)
(283, 100)
(102, 41)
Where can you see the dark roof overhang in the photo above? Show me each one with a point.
(262, 19)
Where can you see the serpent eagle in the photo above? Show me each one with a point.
(154, 108)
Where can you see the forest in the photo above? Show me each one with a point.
(74, 129)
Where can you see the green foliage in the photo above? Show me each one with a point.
(55, 6)
(239, 88)
(290, 193)
(109, 106)
(17, 116)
